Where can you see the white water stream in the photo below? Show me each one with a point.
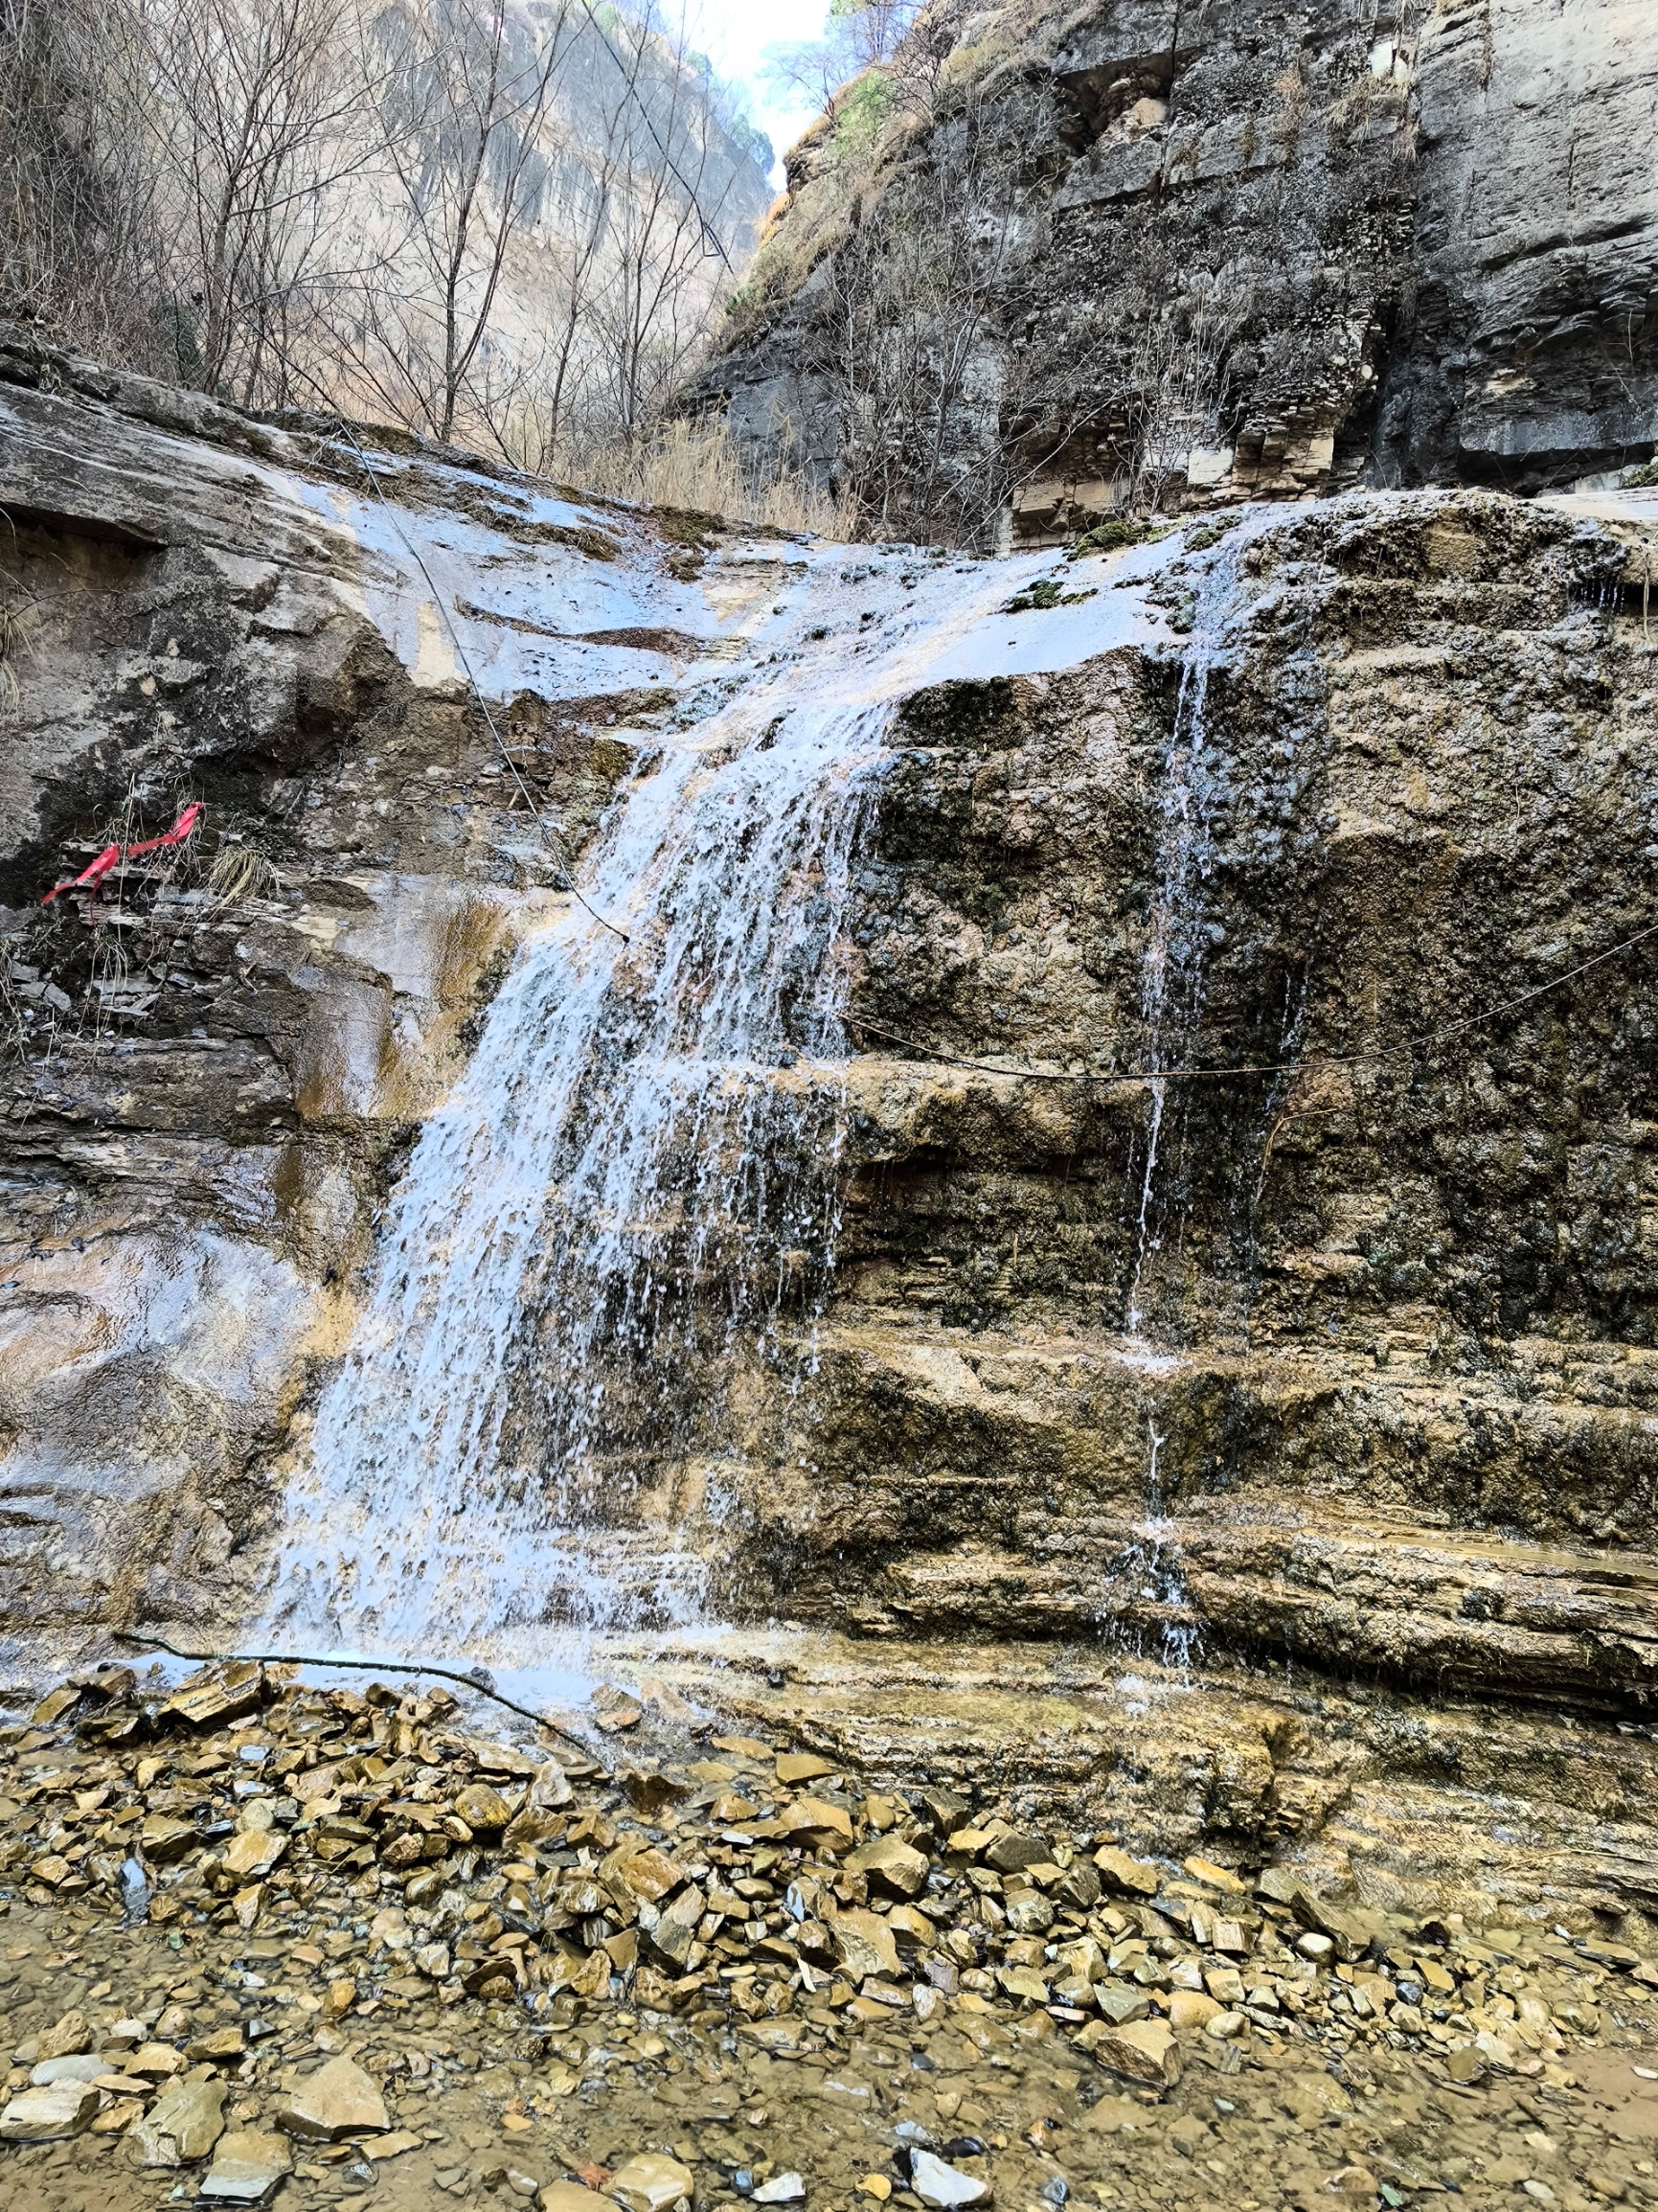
(636, 1174)
(631, 1200)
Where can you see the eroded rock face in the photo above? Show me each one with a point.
(1345, 1363)
(1352, 1364)
(1217, 253)
(219, 1063)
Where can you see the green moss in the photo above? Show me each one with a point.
(1112, 534)
(861, 112)
(1044, 593)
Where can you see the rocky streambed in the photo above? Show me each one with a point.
(270, 1939)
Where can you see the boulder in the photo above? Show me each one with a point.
(87, 2066)
(1127, 1876)
(485, 1810)
(945, 2187)
(246, 2167)
(1020, 1848)
(894, 1869)
(252, 1854)
(183, 2124)
(1145, 2050)
(796, 1766)
(649, 2182)
(813, 1820)
(864, 1944)
(572, 2197)
(70, 2035)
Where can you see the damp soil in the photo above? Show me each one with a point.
(493, 2107)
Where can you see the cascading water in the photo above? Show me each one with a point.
(1170, 1003)
(636, 1178)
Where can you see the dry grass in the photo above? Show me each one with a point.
(240, 874)
(19, 625)
(699, 464)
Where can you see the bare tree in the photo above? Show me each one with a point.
(912, 341)
(259, 117)
(857, 34)
(469, 85)
(665, 223)
(78, 237)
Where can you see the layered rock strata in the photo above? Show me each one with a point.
(1345, 1366)
(1199, 254)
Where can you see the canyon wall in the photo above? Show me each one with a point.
(1194, 253)
(1344, 1365)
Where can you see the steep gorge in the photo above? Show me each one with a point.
(1059, 260)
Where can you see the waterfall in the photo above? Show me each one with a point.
(1194, 788)
(631, 1187)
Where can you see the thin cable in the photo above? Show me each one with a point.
(672, 167)
(485, 1688)
(560, 852)
(1403, 1049)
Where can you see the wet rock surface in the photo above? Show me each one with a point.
(1318, 1458)
(408, 2010)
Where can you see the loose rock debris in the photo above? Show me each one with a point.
(263, 1939)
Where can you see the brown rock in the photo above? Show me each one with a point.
(829, 1826)
(252, 1854)
(911, 1927)
(155, 2060)
(183, 2124)
(894, 1868)
(1214, 1876)
(217, 1695)
(246, 2167)
(1190, 2008)
(571, 2197)
(675, 1929)
(49, 2113)
(648, 2182)
(864, 1944)
(220, 2047)
(1145, 2050)
(1017, 1849)
(118, 2117)
(71, 2036)
(339, 2099)
(165, 1839)
(1127, 1876)
(650, 1874)
(796, 1766)
(485, 1810)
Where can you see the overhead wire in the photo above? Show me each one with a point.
(1402, 1048)
(560, 852)
(477, 1678)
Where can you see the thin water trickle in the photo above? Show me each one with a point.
(1171, 973)
(634, 1182)
(1170, 1005)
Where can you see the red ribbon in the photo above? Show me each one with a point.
(111, 857)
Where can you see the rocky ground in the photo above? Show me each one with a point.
(270, 1939)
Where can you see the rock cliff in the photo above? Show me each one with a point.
(1331, 1386)
(1059, 260)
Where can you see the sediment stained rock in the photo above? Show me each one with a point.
(1348, 1365)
